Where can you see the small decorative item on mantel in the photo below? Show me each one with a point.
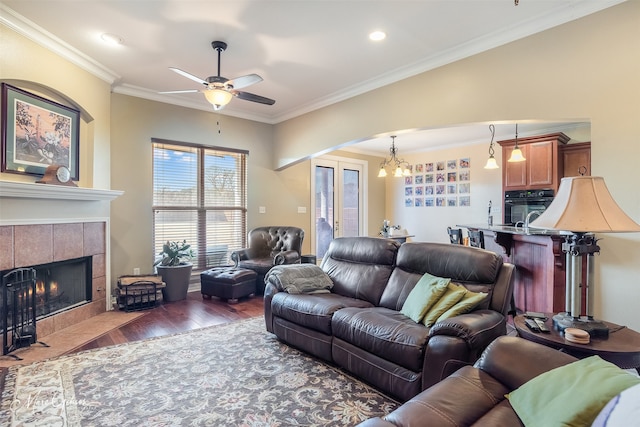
(387, 229)
(58, 175)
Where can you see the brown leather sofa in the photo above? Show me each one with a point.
(358, 325)
(474, 395)
(269, 246)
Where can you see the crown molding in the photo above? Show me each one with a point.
(39, 35)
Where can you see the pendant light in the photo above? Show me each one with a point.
(401, 168)
(491, 161)
(516, 154)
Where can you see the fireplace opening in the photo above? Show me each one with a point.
(60, 286)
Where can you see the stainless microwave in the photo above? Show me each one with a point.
(519, 203)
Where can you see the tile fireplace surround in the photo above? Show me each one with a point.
(26, 242)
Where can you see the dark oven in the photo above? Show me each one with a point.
(519, 203)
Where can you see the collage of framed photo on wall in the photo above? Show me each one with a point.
(441, 183)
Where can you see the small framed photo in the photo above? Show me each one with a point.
(428, 178)
(37, 133)
(452, 202)
(428, 167)
(452, 188)
(408, 202)
(429, 202)
(419, 191)
(440, 201)
(452, 176)
(452, 164)
(440, 165)
(419, 179)
(408, 191)
(408, 180)
(418, 168)
(464, 175)
(465, 163)
(464, 201)
(419, 202)
(464, 188)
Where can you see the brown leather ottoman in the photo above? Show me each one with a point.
(227, 283)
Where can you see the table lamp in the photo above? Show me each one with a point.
(582, 207)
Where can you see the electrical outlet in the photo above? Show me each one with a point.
(262, 209)
(136, 271)
(302, 209)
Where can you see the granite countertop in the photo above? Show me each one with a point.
(510, 229)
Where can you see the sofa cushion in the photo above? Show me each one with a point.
(383, 332)
(566, 396)
(423, 296)
(452, 295)
(469, 301)
(359, 267)
(476, 269)
(312, 311)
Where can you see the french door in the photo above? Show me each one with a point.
(338, 188)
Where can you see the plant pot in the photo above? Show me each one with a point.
(176, 279)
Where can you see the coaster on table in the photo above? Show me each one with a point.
(577, 336)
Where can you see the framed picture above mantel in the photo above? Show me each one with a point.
(37, 133)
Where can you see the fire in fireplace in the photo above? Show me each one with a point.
(60, 286)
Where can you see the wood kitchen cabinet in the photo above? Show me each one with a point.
(575, 158)
(542, 168)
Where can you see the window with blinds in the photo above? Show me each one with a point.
(200, 195)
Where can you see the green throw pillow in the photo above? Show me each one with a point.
(571, 395)
(453, 294)
(423, 295)
(469, 301)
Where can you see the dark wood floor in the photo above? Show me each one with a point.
(169, 318)
(180, 316)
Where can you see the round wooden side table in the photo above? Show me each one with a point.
(621, 348)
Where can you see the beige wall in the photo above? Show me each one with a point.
(587, 69)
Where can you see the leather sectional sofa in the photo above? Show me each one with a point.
(358, 324)
(476, 395)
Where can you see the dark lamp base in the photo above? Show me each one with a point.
(595, 328)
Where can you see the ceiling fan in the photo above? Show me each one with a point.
(220, 90)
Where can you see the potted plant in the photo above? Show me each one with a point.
(175, 269)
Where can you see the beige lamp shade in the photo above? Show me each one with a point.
(584, 205)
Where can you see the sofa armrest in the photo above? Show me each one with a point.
(286, 257)
(478, 328)
(514, 360)
(239, 255)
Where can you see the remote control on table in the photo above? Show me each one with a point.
(531, 324)
(535, 315)
(541, 325)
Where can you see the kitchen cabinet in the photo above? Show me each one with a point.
(542, 168)
(575, 158)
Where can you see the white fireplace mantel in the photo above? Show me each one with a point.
(58, 192)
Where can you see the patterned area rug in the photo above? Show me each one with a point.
(229, 375)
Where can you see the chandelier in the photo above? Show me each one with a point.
(401, 168)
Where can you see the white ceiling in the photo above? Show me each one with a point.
(310, 53)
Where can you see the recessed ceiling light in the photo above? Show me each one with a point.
(377, 36)
(111, 39)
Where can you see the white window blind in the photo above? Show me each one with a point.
(200, 195)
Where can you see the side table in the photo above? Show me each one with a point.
(622, 348)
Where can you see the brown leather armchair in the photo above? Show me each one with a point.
(269, 246)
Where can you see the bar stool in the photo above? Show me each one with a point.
(455, 235)
(476, 238)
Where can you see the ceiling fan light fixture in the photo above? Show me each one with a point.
(382, 172)
(218, 98)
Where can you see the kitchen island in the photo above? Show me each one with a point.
(539, 283)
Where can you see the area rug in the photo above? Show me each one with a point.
(236, 374)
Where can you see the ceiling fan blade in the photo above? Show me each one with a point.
(254, 98)
(180, 91)
(189, 76)
(244, 81)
